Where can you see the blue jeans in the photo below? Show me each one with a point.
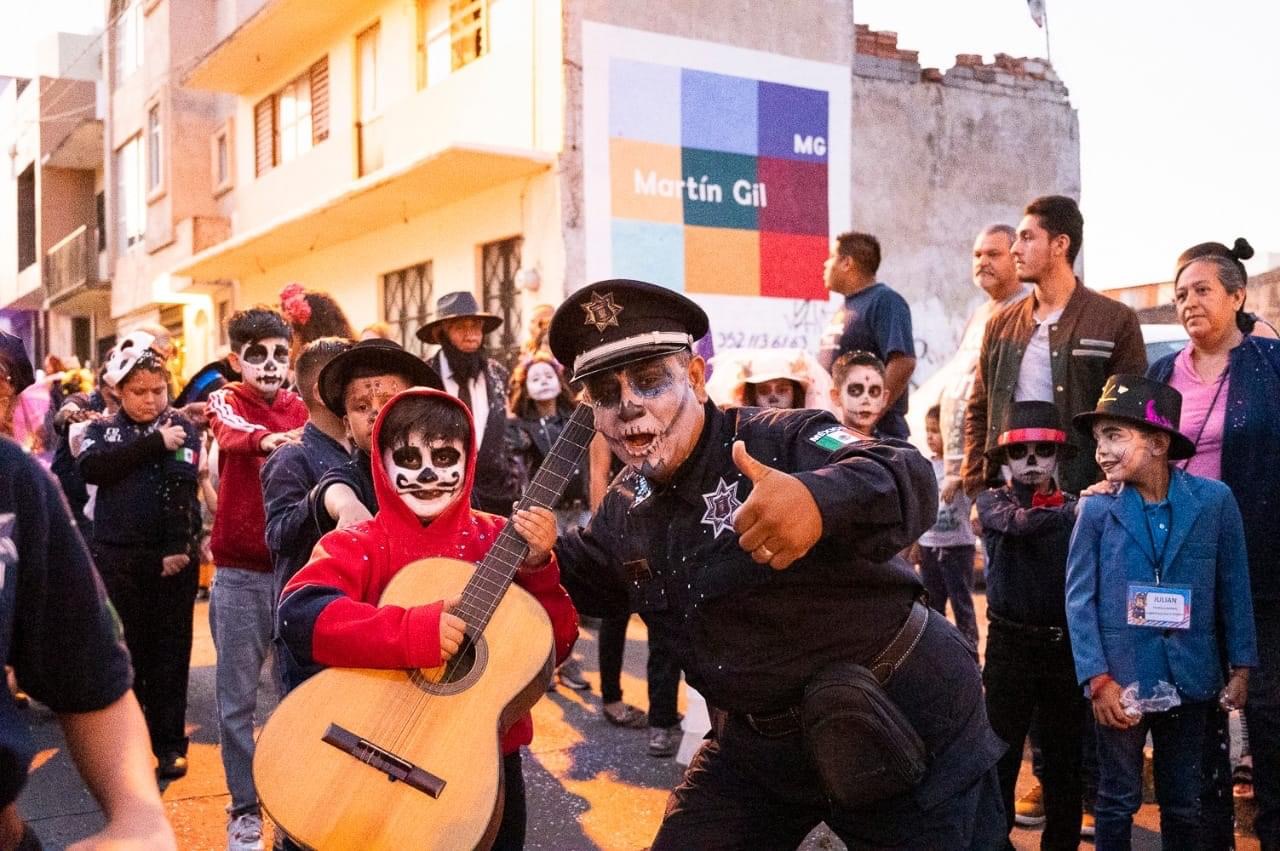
(947, 573)
(1177, 737)
(241, 616)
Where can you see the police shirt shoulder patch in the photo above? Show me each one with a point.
(836, 437)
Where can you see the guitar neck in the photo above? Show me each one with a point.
(498, 568)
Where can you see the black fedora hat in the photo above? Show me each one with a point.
(377, 356)
(1141, 401)
(1032, 422)
(459, 305)
(612, 323)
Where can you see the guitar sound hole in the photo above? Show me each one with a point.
(459, 673)
(461, 664)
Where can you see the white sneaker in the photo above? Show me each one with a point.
(244, 833)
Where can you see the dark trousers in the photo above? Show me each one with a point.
(156, 613)
(1262, 712)
(747, 791)
(1177, 740)
(947, 573)
(1217, 801)
(511, 829)
(663, 668)
(611, 644)
(1026, 675)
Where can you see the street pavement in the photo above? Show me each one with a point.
(590, 784)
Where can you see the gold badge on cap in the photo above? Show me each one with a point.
(602, 311)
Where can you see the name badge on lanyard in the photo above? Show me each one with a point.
(1159, 606)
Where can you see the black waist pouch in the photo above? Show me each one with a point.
(863, 746)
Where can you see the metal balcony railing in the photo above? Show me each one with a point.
(72, 263)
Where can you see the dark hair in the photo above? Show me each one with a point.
(1231, 271)
(1059, 215)
(750, 399)
(314, 356)
(862, 248)
(313, 315)
(429, 418)
(524, 407)
(256, 323)
(934, 413)
(149, 361)
(849, 360)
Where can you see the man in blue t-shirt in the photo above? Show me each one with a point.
(874, 318)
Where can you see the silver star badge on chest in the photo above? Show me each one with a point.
(602, 311)
(722, 505)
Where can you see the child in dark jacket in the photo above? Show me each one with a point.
(423, 468)
(1026, 527)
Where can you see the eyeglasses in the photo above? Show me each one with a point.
(256, 354)
(1018, 451)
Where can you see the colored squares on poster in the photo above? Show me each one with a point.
(643, 101)
(718, 189)
(645, 181)
(721, 261)
(793, 122)
(791, 265)
(797, 195)
(649, 251)
(718, 113)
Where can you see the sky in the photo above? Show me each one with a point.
(27, 21)
(1179, 117)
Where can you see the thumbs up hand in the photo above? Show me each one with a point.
(780, 521)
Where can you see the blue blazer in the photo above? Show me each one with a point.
(1111, 547)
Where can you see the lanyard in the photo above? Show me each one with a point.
(1158, 556)
(1213, 403)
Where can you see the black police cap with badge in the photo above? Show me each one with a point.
(609, 324)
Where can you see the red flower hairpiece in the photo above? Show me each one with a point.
(293, 299)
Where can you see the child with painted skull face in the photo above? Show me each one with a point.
(859, 392)
(423, 469)
(1026, 527)
(1157, 600)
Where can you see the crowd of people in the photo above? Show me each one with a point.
(791, 555)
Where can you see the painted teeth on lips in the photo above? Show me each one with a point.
(639, 444)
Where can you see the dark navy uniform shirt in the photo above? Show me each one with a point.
(752, 637)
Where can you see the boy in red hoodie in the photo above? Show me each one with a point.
(424, 463)
(249, 418)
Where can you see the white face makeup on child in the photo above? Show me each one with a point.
(862, 398)
(1125, 451)
(541, 382)
(264, 364)
(776, 393)
(426, 473)
(1032, 464)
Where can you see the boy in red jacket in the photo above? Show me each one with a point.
(424, 463)
(249, 418)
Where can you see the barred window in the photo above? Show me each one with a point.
(406, 301)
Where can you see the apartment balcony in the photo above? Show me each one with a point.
(72, 267)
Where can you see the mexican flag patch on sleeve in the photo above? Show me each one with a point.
(185, 455)
(836, 437)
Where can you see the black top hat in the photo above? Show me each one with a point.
(14, 362)
(1141, 401)
(376, 356)
(608, 324)
(459, 305)
(1031, 422)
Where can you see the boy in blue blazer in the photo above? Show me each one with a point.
(1156, 576)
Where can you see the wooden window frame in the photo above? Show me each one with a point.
(155, 190)
(225, 135)
(461, 30)
(267, 124)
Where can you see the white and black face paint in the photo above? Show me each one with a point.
(776, 393)
(427, 474)
(541, 382)
(1032, 464)
(264, 364)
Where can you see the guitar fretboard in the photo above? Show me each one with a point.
(498, 568)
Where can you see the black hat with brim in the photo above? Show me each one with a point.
(459, 305)
(1140, 401)
(372, 357)
(612, 323)
(1032, 422)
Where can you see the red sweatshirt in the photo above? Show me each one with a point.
(329, 612)
(240, 418)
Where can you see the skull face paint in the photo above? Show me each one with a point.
(426, 473)
(541, 382)
(1032, 464)
(1125, 452)
(650, 414)
(862, 398)
(264, 364)
(776, 393)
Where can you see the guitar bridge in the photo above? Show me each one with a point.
(384, 760)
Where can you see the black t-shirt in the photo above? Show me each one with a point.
(55, 628)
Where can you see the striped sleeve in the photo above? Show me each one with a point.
(235, 434)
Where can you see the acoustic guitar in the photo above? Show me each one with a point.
(362, 758)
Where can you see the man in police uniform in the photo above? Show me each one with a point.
(769, 537)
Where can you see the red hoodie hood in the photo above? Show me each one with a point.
(453, 532)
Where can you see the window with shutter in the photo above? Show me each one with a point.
(320, 101)
(468, 30)
(264, 135)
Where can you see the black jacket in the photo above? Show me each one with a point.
(752, 637)
(288, 477)
(1026, 555)
(496, 484)
(356, 474)
(531, 441)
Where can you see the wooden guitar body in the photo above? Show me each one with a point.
(326, 758)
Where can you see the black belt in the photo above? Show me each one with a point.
(785, 723)
(1052, 634)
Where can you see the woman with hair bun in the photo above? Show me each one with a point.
(312, 315)
(1229, 377)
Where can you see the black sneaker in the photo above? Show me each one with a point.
(665, 741)
(172, 766)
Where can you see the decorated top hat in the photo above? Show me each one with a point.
(612, 323)
(1139, 400)
(376, 356)
(1032, 422)
(459, 305)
